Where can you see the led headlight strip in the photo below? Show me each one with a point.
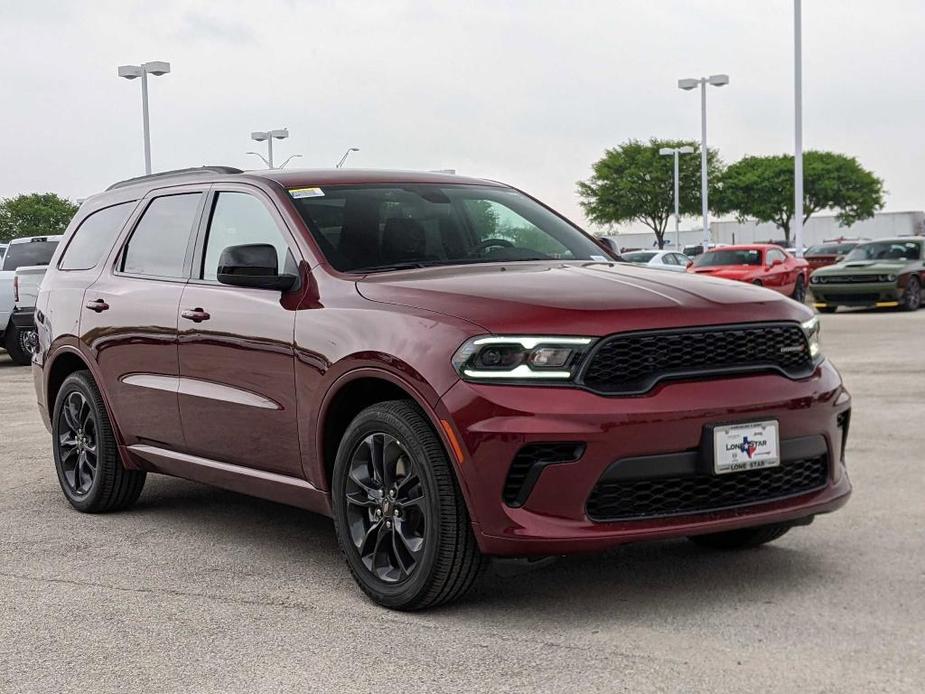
(495, 357)
(811, 329)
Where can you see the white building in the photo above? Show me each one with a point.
(818, 229)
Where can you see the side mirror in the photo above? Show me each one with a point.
(253, 265)
(689, 263)
(776, 262)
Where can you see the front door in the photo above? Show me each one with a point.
(237, 384)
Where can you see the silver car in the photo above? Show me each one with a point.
(660, 260)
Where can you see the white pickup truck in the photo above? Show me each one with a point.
(21, 273)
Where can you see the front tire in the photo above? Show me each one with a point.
(912, 296)
(16, 342)
(741, 539)
(799, 290)
(401, 520)
(90, 471)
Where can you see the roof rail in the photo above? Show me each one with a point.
(175, 172)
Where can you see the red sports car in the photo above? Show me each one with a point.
(761, 263)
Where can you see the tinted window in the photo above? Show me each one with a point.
(239, 218)
(887, 250)
(94, 237)
(729, 257)
(669, 259)
(158, 245)
(37, 252)
(368, 228)
(835, 249)
(776, 255)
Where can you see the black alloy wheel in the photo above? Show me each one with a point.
(912, 296)
(76, 440)
(385, 508)
(401, 520)
(87, 460)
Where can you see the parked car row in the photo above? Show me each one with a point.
(21, 271)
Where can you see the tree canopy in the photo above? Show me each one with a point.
(633, 182)
(34, 215)
(762, 188)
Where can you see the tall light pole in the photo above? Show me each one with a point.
(268, 136)
(675, 151)
(687, 85)
(130, 72)
(344, 158)
(798, 126)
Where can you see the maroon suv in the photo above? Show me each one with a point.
(444, 365)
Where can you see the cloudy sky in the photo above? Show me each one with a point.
(527, 92)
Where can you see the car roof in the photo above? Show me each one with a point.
(748, 247)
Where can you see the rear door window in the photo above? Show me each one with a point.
(35, 252)
(94, 237)
(158, 246)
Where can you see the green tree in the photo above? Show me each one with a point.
(762, 188)
(633, 182)
(34, 215)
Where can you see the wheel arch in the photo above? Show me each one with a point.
(356, 390)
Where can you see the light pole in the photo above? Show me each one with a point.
(130, 72)
(668, 152)
(687, 85)
(344, 158)
(268, 136)
(798, 126)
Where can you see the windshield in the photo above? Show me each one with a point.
(834, 249)
(887, 250)
(378, 228)
(36, 252)
(728, 257)
(639, 256)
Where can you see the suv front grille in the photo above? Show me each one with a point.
(632, 363)
(613, 500)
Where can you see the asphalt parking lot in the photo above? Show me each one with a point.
(201, 590)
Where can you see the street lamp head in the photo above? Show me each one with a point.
(686, 149)
(260, 136)
(666, 151)
(688, 84)
(719, 80)
(280, 134)
(156, 67)
(130, 72)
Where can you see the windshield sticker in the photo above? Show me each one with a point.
(306, 193)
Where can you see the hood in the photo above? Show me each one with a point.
(579, 298)
(732, 272)
(865, 266)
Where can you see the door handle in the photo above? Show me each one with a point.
(197, 315)
(99, 305)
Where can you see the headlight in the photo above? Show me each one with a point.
(494, 358)
(811, 329)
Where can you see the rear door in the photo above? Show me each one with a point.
(129, 318)
(237, 373)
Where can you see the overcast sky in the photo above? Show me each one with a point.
(530, 93)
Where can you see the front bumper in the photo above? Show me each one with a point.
(858, 294)
(495, 422)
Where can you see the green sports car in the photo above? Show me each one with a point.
(884, 273)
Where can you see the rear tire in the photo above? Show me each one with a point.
(741, 539)
(90, 471)
(401, 520)
(912, 297)
(16, 341)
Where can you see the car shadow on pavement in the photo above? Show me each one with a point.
(629, 582)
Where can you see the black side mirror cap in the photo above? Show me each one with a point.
(253, 265)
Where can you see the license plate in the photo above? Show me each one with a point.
(741, 447)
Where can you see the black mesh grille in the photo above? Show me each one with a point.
(518, 484)
(841, 297)
(668, 496)
(632, 363)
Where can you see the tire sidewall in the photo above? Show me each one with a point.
(371, 421)
(77, 383)
(909, 293)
